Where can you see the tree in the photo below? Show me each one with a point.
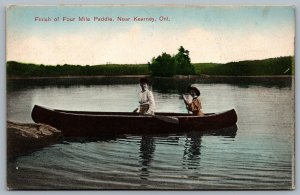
(162, 65)
(167, 65)
(183, 62)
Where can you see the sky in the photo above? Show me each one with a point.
(218, 34)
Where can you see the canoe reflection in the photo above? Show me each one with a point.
(226, 132)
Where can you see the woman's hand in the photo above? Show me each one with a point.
(186, 102)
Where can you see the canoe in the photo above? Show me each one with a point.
(92, 124)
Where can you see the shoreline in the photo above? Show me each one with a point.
(24, 138)
(138, 76)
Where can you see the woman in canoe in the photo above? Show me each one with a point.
(195, 105)
(146, 99)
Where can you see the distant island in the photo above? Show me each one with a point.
(164, 65)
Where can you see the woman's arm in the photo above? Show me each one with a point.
(151, 103)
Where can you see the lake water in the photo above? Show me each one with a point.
(259, 155)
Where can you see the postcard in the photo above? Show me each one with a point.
(124, 97)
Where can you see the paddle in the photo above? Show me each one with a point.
(167, 119)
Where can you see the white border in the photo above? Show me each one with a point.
(4, 3)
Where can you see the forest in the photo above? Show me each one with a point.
(164, 65)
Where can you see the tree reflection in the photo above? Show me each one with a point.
(161, 85)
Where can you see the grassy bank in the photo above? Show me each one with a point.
(269, 67)
(272, 66)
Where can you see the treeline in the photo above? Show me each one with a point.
(164, 65)
(32, 70)
(272, 66)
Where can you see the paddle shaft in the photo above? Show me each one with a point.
(167, 119)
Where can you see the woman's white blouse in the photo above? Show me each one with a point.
(146, 97)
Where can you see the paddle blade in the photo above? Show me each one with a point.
(168, 119)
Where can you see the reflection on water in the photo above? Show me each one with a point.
(191, 154)
(259, 155)
(162, 85)
(147, 148)
(191, 148)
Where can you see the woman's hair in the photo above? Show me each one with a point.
(144, 80)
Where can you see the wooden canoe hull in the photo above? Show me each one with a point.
(91, 124)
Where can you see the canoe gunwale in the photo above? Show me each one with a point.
(104, 115)
(117, 114)
(131, 114)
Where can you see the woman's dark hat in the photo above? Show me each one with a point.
(144, 80)
(195, 89)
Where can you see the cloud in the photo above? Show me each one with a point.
(139, 46)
